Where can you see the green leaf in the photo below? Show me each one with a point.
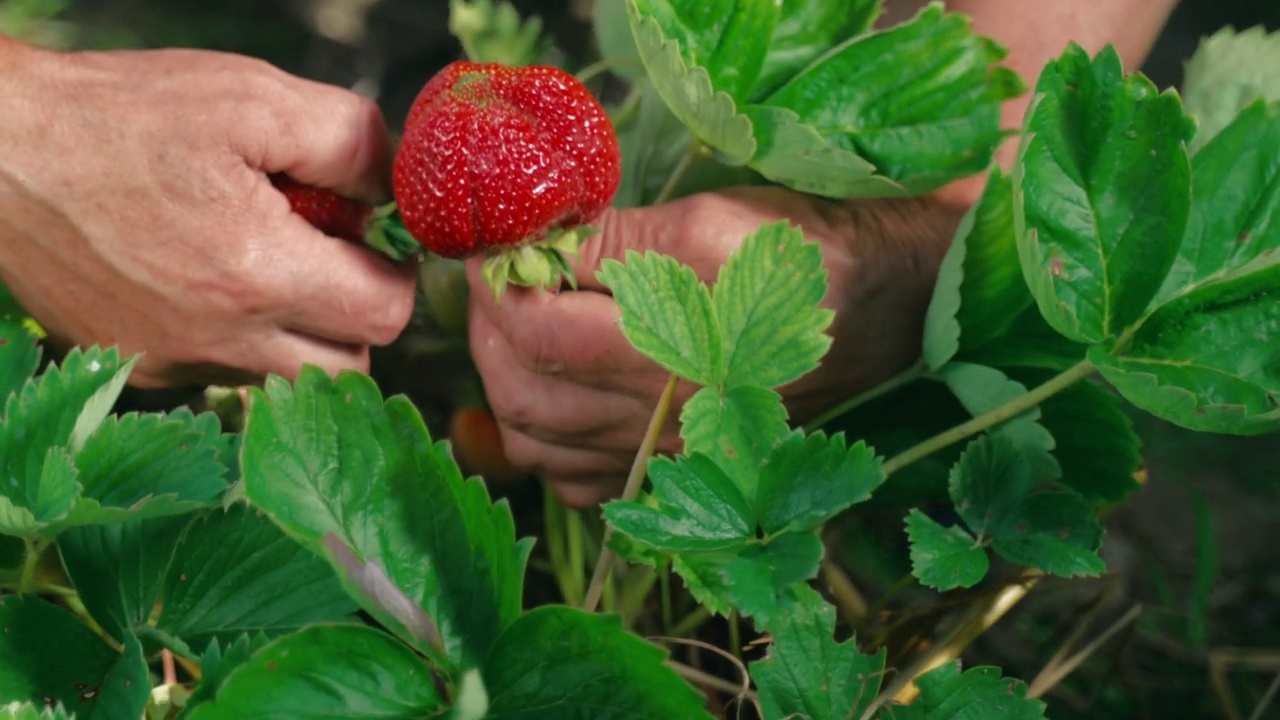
(1227, 72)
(31, 711)
(652, 143)
(728, 38)
(795, 154)
(667, 314)
(44, 424)
(980, 692)
(809, 480)
(806, 29)
(738, 429)
(920, 101)
(1235, 197)
(808, 674)
(698, 507)
(136, 466)
(980, 292)
(993, 491)
(766, 303)
(19, 356)
(764, 580)
(1096, 444)
(1057, 532)
(353, 670)
(563, 663)
(1029, 343)
(611, 29)
(235, 572)
(1100, 193)
(216, 664)
(48, 656)
(982, 389)
(944, 558)
(710, 113)
(117, 569)
(329, 456)
(1206, 360)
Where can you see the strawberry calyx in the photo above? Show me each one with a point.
(543, 264)
(387, 234)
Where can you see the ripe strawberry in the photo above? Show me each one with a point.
(496, 157)
(352, 220)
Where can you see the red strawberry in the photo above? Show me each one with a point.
(342, 217)
(477, 446)
(495, 157)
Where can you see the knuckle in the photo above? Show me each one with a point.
(391, 318)
(537, 349)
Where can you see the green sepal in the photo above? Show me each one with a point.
(542, 265)
(388, 235)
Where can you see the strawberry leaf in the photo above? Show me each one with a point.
(994, 492)
(1101, 192)
(729, 38)
(806, 29)
(765, 580)
(698, 507)
(307, 674)
(19, 351)
(980, 293)
(808, 674)
(1229, 71)
(1227, 231)
(808, 480)
(710, 113)
(796, 154)
(948, 694)
(30, 711)
(982, 389)
(1096, 445)
(329, 456)
(738, 429)
(766, 301)
(217, 662)
(667, 314)
(944, 558)
(47, 656)
(563, 663)
(921, 123)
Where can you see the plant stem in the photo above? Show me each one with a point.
(691, 622)
(679, 172)
(906, 377)
(599, 67)
(1009, 410)
(706, 679)
(639, 468)
(577, 563)
(34, 548)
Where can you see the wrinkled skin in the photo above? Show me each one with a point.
(135, 210)
(573, 398)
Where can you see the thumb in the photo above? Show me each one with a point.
(329, 137)
(693, 229)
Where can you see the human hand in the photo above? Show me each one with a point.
(573, 398)
(135, 210)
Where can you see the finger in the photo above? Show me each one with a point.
(579, 478)
(329, 137)
(554, 410)
(285, 354)
(570, 335)
(339, 291)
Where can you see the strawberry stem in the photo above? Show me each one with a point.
(388, 235)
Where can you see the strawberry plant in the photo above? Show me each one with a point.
(331, 559)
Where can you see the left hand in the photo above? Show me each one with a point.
(573, 398)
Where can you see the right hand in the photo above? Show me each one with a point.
(135, 210)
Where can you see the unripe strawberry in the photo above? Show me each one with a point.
(495, 157)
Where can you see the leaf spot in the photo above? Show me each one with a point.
(271, 666)
(1056, 267)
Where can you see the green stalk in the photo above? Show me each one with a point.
(576, 565)
(34, 548)
(906, 377)
(1009, 410)
(691, 622)
(635, 480)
